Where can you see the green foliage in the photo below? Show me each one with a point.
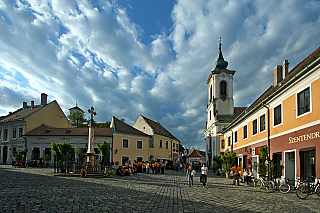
(264, 151)
(227, 159)
(103, 125)
(181, 149)
(104, 150)
(217, 159)
(18, 156)
(79, 151)
(262, 169)
(55, 149)
(47, 158)
(77, 119)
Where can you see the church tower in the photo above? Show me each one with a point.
(220, 108)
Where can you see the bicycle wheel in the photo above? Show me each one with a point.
(284, 188)
(270, 185)
(318, 190)
(302, 191)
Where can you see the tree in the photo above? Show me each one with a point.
(64, 149)
(79, 152)
(77, 119)
(103, 125)
(227, 158)
(104, 150)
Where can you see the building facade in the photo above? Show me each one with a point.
(163, 145)
(286, 117)
(39, 139)
(16, 124)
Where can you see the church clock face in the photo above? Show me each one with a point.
(223, 75)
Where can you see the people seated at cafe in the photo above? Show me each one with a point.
(120, 171)
(248, 177)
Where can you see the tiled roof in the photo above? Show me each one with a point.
(21, 113)
(158, 128)
(194, 154)
(45, 130)
(122, 127)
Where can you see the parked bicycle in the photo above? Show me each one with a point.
(264, 182)
(308, 187)
(287, 186)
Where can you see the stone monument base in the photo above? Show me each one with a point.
(92, 164)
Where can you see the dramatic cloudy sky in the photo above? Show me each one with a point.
(149, 57)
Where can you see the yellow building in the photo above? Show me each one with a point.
(16, 124)
(286, 117)
(163, 145)
(129, 144)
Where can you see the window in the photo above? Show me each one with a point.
(223, 88)
(160, 143)
(304, 101)
(277, 115)
(0, 135)
(14, 133)
(236, 137)
(174, 146)
(254, 127)
(245, 132)
(125, 143)
(151, 143)
(229, 141)
(210, 115)
(5, 134)
(20, 132)
(139, 144)
(222, 144)
(262, 123)
(167, 144)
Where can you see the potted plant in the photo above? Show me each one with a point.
(227, 159)
(47, 159)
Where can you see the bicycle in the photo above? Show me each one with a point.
(268, 184)
(286, 186)
(307, 188)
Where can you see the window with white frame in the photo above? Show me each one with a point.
(245, 132)
(262, 122)
(160, 143)
(277, 117)
(167, 144)
(125, 143)
(20, 132)
(14, 132)
(255, 127)
(139, 144)
(236, 137)
(5, 134)
(229, 141)
(222, 144)
(303, 101)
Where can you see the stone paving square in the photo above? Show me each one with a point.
(38, 190)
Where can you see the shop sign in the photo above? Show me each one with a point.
(304, 137)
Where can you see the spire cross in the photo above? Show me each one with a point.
(220, 43)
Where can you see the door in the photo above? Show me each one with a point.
(307, 163)
(5, 154)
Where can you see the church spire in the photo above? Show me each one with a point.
(220, 64)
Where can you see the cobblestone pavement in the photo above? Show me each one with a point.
(37, 190)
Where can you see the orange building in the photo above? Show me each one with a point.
(286, 117)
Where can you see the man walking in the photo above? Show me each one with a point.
(236, 173)
(204, 172)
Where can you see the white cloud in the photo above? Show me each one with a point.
(93, 54)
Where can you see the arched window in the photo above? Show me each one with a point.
(210, 98)
(223, 88)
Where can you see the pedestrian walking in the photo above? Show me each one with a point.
(190, 174)
(204, 173)
(236, 174)
(13, 161)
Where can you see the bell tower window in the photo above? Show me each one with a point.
(223, 90)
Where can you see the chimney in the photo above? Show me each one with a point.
(285, 68)
(44, 99)
(32, 104)
(277, 75)
(24, 104)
